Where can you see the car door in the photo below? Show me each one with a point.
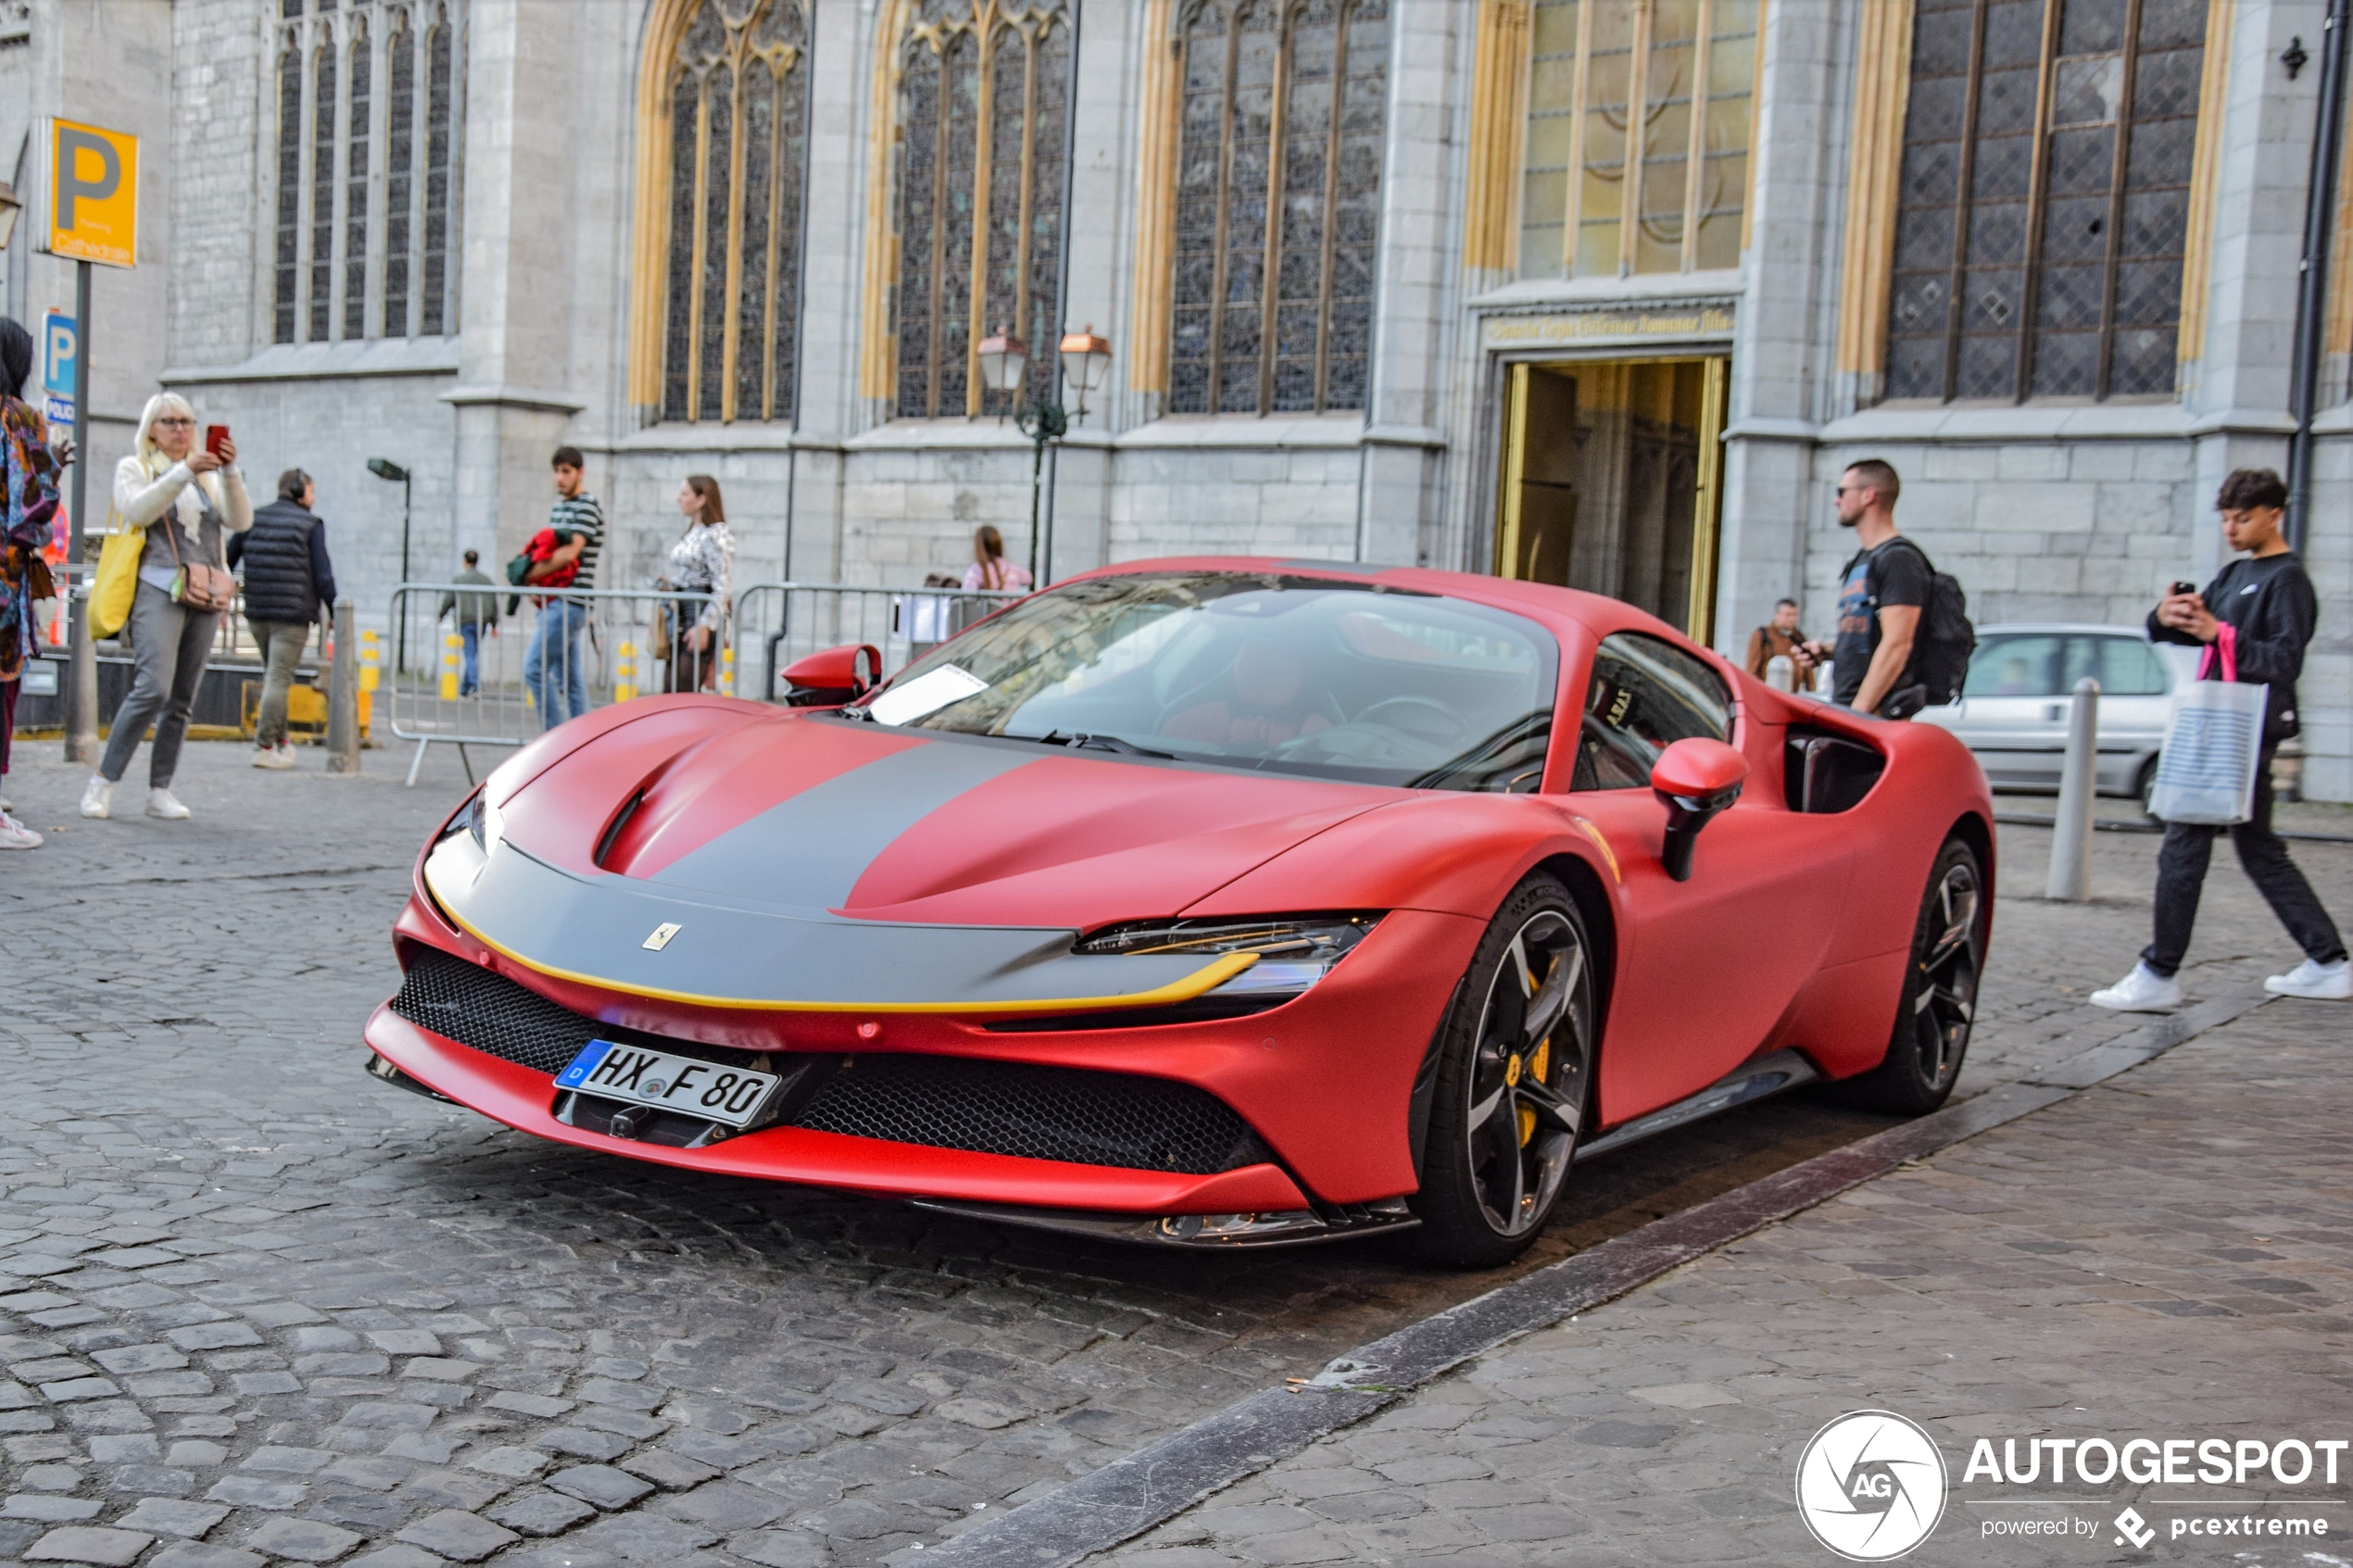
(1706, 967)
(2135, 699)
(2012, 715)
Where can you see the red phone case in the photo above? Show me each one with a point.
(213, 436)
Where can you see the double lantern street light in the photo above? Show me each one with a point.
(1004, 362)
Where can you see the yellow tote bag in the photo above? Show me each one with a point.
(118, 581)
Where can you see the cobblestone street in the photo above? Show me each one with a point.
(257, 1307)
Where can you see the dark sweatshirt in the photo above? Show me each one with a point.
(2269, 603)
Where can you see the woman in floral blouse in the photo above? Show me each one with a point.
(703, 562)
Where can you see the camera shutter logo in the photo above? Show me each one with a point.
(1871, 1485)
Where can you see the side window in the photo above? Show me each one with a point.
(2123, 666)
(2014, 667)
(1645, 694)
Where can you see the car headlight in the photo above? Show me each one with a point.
(1294, 951)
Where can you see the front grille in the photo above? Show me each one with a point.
(1043, 1112)
(466, 1003)
(942, 1102)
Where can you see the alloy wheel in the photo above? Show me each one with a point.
(1944, 1000)
(1528, 1070)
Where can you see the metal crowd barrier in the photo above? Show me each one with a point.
(777, 623)
(528, 669)
(525, 676)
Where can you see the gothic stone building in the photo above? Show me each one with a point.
(1602, 291)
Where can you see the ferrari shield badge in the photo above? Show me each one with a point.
(661, 938)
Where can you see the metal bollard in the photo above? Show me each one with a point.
(343, 696)
(2070, 875)
(1780, 672)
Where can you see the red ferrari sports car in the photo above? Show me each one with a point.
(1207, 901)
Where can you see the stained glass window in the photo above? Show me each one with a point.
(984, 115)
(1282, 107)
(400, 154)
(1684, 72)
(344, 69)
(2044, 202)
(286, 289)
(738, 141)
(354, 193)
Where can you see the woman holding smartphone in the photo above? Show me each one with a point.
(182, 499)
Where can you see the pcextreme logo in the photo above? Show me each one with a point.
(1871, 1485)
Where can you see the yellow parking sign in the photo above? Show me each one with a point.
(90, 192)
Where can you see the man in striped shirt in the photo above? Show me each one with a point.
(552, 670)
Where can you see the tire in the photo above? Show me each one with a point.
(1937, 1007)
(1514, 1084)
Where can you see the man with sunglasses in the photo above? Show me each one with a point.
(1880, 593)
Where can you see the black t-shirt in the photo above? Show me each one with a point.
(2269, 604)
(1894, 573)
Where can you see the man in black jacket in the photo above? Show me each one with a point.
(2261, 611)
(288, 578)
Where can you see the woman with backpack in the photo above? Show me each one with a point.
(174, 502)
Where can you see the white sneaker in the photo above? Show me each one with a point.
(163, 803)
(273, 756)
(14, 834)
(97, 797)
(285, 752)
(2321, 982)
(2144, 990)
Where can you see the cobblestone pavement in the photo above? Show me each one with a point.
(255, 1307)
(2169, 1255)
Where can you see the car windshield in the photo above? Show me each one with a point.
(1263, 670)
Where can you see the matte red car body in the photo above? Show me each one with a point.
(1793, 931)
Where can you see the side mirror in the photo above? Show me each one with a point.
(833, 676)
(1693, 778)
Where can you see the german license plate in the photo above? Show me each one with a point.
(732, 1096)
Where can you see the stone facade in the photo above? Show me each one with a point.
(2077, 512)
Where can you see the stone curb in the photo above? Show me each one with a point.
(1156, 1483)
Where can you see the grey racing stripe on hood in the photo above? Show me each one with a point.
(811, 849)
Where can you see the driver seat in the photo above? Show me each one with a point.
(1256, 702)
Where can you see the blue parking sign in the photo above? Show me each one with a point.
(60, 345)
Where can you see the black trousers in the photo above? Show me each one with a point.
(2181, 877)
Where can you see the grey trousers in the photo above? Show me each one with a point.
(168, 649)
(282, 642)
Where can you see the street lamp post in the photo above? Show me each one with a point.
(385, 468)
(1004, 360)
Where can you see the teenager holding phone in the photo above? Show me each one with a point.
(2262, 611)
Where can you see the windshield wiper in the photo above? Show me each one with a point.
(1082, 741)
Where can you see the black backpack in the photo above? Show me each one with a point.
(1942, 646)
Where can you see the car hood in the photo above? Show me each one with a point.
(848, 863)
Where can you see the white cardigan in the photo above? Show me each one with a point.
(140, 497)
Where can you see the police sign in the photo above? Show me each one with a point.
(88, 203)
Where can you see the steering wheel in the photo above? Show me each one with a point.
(1431, 720)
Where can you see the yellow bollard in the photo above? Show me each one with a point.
(450, 647)
(727, 668)
(371, 657)
(624, 672)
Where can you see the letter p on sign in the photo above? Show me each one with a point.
(91, 186)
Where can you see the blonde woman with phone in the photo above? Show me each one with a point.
(180, 500)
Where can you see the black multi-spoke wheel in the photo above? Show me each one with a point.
(1939, 1001)
(1515, 1067)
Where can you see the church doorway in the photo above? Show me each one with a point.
(1612, 481)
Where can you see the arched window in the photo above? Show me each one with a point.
(984, 115)
(355, 195)
(734, 110)
(1277, 204)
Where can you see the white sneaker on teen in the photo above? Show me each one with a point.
(271, 757)
(163, 803)
(286, 750)
(97, 797)
(14, 834)
(2321, 982)
(2144, 990)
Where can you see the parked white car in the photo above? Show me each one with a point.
(2012, 711)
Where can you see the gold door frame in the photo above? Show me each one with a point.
(1709, 498)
